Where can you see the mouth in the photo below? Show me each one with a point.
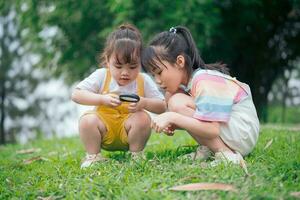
(125, 79)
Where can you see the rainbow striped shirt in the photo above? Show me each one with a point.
(215, 93)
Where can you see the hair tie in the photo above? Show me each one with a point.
(173, 30)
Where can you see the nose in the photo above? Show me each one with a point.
(124, 72)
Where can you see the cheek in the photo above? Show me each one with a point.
(113, 71)
(162, 78)
(135, 73)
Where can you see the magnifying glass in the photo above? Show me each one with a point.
(133, 98)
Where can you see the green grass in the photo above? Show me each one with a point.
(291, 116)
(274, 171)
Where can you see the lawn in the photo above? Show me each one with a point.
(52, 171)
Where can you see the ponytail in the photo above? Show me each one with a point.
(218, 66)
(197, 61)
(192, 49)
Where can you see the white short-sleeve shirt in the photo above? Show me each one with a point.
(95, 83)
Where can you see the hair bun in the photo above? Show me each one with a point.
(128, 26)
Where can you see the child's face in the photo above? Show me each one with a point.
(123, 73)
(169, 76)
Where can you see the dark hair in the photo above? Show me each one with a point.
(166, 46)
(125, 43)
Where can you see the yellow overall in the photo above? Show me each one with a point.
(114, 118)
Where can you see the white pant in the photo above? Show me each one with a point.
(241, 132)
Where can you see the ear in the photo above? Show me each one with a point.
(180, 61)
(106, 59)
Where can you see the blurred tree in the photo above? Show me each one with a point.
(68, 34)
(17, 79)
(77, 30)
(257, 38)
(285, 93)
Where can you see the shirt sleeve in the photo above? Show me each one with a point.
(94, 82)
(213, 98)
(151, 90)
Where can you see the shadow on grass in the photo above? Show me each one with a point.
(121, 156)
(169, 154)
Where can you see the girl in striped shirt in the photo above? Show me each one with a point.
(214, 108)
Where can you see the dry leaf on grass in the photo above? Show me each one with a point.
(204, 186)
(268, 144)
(244, 167)
(30, 160)
(27, 151)
(45, 198)
(50, 197)
(295, 194)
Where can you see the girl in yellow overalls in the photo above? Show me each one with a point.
(115, 125)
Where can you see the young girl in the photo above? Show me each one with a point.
(115, 125)
(216, 109)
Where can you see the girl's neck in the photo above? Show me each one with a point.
(185, 79)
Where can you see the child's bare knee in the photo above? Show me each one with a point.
(141, 120)
(144, 119)
(178, 102)
(88, 121)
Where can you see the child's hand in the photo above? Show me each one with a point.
(163, 123)
(111, 100)
(134, 107)
(169, 130)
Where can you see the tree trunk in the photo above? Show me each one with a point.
(2, 119)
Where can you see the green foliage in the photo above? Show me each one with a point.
(274, 171)
(82, 27)
(80, 31)
(258, 39)
(255, 40)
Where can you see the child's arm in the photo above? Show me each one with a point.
(154, 105)
(201, 128)
(86, 97)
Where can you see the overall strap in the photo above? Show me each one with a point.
(140, 85)
(106, 82)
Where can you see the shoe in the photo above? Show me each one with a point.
(227, 157)
(89, 159)
(136, 156)
(201, 153)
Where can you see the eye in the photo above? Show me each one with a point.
(157, 71)
(118, 66)
(133, 67)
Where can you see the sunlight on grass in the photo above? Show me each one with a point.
(274, 168)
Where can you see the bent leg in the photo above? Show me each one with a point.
(184, 104)
(91, 130)
(138, 130)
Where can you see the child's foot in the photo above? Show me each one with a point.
(89, 159)
(227, 157)
(201, 153)
(136, 156)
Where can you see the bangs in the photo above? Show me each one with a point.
(151, 60)
(127, 51)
